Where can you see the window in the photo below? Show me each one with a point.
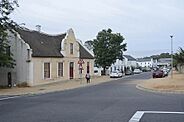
(87, 67)
(114, 67)
(8, 50)
(71, 48)
(95, 71)
(60, 69)
(46, 70)
(28, 55)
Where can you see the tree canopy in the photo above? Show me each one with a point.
(108, 47)
(179, 57)
(162, 55)
(6, 8)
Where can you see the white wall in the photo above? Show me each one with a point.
(22, 71)
(145, 64)
(118, 65)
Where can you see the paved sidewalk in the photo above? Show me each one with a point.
(167, 84)
(52, 87)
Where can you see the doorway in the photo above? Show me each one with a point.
(71, 67)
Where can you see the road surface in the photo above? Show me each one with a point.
(115, 101)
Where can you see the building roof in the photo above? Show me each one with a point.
(84, 54)
(43, 45)
(143, 59)
(130, 58)
(165, 60)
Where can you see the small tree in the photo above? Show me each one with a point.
(108, 47)
(179, 58)
(6, 24)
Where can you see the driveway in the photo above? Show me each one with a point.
(115, 101)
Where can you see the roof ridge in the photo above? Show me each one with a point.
(44, 33)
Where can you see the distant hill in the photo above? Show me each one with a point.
(162, 55)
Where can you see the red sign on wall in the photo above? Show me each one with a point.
(81, 62)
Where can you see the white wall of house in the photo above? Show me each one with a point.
(146, 63)
(30, 69)
(22, 72)
(39, 69)
(122, 64)
(118, 65)
(129, 64)
(4, 76)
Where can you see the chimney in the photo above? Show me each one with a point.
(38, 28)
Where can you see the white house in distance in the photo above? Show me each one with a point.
(148, 62)
(128, 62)
(164, 62)
(118, 65)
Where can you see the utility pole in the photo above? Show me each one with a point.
(171, 56)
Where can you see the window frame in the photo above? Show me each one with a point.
(48, 70)
(58, 69)
(71, 48)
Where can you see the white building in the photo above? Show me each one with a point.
(128, 62)
(118, 65)
(44, 58)
(145, 62)
(164, 62)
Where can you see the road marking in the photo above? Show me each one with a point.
(138, 115)
(6, 98)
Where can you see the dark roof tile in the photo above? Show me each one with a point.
(130, 58)
(84, 54)
(43, 45)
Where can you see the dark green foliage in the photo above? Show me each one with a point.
(108, 47)
(179, 58)
(162, 55)
(6, 8)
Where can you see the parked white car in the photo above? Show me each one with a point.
(116, 74)
(137, 71)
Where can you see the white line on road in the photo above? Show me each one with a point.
(6, 98)
(138, 115)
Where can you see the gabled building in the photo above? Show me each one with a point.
(43, 58)
(129, 61)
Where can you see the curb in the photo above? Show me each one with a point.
(52, 91)
(158, 91)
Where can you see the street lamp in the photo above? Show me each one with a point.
(171, 56)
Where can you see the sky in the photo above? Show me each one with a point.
(146, 25)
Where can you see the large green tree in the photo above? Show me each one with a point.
(108, 47)
(6, 24)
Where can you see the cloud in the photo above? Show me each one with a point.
(140, 21)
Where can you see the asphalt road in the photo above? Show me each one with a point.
(115, 101)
